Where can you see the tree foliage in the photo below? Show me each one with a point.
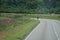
(29, 6)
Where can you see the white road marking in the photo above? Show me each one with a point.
(54, 36)
(31, 32)
(56, 33)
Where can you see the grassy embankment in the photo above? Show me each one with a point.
(18, 29)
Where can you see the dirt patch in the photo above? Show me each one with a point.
(1, 35)
(7, 21)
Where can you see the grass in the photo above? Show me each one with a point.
(21, 33)
(20, 29)
(45, 16)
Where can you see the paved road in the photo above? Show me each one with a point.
(46, 30)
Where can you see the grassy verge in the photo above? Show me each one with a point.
(20, 33)
(20, 26)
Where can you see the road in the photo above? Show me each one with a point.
(46, 30)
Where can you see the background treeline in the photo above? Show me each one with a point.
(18, 5)
(30, 6)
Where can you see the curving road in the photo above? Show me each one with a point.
(46, 30)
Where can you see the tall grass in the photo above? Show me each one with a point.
(22, 26)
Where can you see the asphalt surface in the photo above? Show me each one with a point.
(46, 30)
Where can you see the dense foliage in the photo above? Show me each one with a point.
(18, 5)
(30, 6)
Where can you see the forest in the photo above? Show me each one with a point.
(30, 6)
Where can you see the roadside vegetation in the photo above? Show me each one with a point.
(15, 26)
(45, 16)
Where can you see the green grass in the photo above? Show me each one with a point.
(18, 31)
(22, 31)
(45, 16)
